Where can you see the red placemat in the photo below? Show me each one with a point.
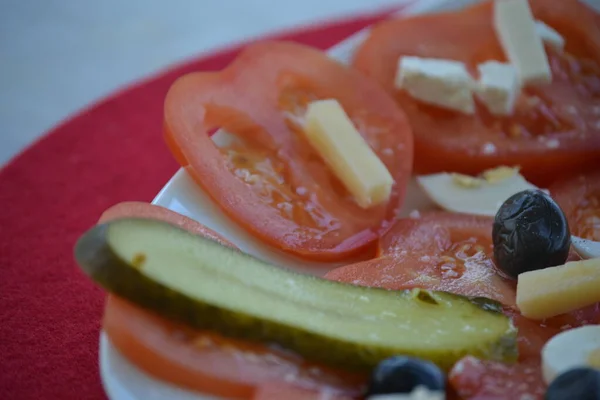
(49, 312)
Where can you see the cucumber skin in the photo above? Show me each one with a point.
(96, 258)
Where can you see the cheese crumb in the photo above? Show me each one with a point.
(444, 83)
(497, 87)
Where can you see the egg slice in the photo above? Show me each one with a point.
(586, 248)
(482, 195)
(579, 347)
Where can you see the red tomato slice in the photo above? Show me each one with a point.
(555, 128)
(438, 251)
(146, 210)
(209, 363)
(268, 178)
(579, 198)
(281, 391)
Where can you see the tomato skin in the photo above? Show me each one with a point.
(260, 98)
(555, 128)
(137, 209)
(579, 198)
(210, 363)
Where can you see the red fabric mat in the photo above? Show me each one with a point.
(49, 312)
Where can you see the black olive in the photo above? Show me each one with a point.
(530, 232)
(576, 384)
(403, 374)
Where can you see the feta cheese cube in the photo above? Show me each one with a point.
(515, 27)
(549, 35)
(444, 83)
(497, 87)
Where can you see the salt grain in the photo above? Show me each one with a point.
(414, 214)
(489, 148)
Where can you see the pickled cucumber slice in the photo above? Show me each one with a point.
(199, 282)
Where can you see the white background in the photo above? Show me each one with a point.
(58, 56)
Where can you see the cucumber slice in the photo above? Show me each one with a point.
(199, 282)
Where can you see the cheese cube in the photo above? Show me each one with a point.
(331, 133)
(552, 291)
(549, 35)
(523, 46)
(497, 87)
(444, 83)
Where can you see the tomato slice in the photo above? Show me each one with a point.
(289, 392)
(555, 128)
(579, 198)
(438, 251)
(267, 177)
(139, 209)
(209, 363)
(452, 252)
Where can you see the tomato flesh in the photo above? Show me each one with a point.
(438, 251)
(579, 198)
(266, 176)
(555, 128)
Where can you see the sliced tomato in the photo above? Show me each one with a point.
(438, 251)
(146, 210)
(266, 176)
(579, 198)
(555, 128)
(209, 363)
(281, 391)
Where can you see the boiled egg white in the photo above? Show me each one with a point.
(474, 195)
(579, 347)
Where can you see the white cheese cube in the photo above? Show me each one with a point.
(523, 46)
(497, 87)
(549, 35)
(331, 133)
(444, 83)
(552, 291)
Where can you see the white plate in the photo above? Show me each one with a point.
(122, 380)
